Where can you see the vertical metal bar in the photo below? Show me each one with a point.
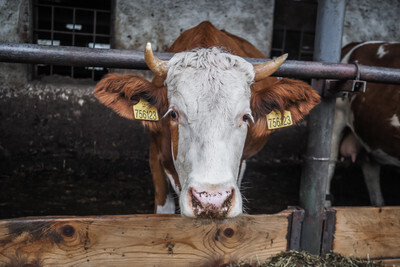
(73, 35)
(314, 178)
(35, 35)
(52, 34)
(284, 40)
(73, 25)
(328, 231)
(94, 36)
(301, 45)
(294, 231)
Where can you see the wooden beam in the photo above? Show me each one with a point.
(368, 232)
(141, 240)
(390, 262)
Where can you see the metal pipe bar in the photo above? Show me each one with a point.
(69, 7)
(131, 59)
(70, 33)
(314, 178)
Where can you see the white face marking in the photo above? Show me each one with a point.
(394, 121)
(381, 51)
(172, 181)
(211, 92)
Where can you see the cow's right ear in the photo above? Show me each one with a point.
(121, 91)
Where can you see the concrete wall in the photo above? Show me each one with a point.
(161, 22)
(367, 20)
(15, 28)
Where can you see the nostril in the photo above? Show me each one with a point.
(216, 199)
(213, 204)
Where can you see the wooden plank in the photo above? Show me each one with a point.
(368, 232)
(391, 262)
(142, 240)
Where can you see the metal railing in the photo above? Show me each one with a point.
(131, 59)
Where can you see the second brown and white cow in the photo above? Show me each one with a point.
(372, 118)
(212, 106)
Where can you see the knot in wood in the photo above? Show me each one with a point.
(68, 230)
(228, 232)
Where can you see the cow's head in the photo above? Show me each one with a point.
(208, 106)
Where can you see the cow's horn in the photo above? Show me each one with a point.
(264, 70)
(156, 65)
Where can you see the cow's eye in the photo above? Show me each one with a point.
(173, 114)
(247, 117)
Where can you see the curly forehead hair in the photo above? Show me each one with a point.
(213, 59)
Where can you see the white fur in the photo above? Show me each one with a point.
(211, 91)
(241, 174)
(172, 181)
(345, 59)
(394, 121)
(381, 51)
(169, 206)
(342, 112)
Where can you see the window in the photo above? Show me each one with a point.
(294, 28)
(72, 23)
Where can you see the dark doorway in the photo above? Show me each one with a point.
(294, 28)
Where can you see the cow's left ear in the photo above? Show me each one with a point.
(121, 91)
(286, 94)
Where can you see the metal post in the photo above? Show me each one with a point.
(314, 178)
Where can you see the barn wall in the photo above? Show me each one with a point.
(161, 22)
(367, 20)
(14, 21)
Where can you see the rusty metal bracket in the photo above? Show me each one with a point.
(294, 231)
(295, 225)
(328, 229)
(341, 88)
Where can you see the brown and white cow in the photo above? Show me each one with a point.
(213, 106)
(367, 126)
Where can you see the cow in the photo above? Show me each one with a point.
(367, 127)
(212, 106)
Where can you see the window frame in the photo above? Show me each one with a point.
(93, 73)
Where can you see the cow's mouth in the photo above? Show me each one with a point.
(211, 211)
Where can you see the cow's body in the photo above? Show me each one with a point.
(367, 125)
(199, 148)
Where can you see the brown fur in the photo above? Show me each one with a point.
(174, 139)
(285, 94)
(120, 92)
(205, 35)
(373, 109)
(160, 180)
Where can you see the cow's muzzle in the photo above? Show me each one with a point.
(211, 204)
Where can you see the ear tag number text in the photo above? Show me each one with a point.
(144, 111)
(276, 121)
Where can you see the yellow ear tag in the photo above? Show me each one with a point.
(144, 111)
(276, 121)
